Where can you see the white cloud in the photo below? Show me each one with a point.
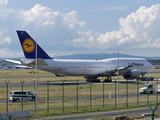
(45, 17)
(7, 53)
(7, 39)
(140, 29)
(3, 2)
(62, 32)
(43, 22)
(143, 26)
(85, 39)
(71, 20)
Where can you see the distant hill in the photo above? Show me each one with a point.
(100, 56)
(12, 58)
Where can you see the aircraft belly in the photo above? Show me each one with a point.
(72, 72)
(65, 71)
(78, 72)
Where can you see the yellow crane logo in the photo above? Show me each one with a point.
(28, 45)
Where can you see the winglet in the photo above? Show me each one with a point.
(29, 46)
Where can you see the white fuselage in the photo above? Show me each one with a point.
(90, 68)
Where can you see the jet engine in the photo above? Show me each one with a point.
(131, 74)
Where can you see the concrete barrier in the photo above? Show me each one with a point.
(122, 117)
(146, 114)
(17, 114)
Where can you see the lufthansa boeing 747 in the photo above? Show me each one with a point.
(129, 68)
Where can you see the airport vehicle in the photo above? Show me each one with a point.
(17, 96)
(147, 89)
(158, 88)
(129, 68)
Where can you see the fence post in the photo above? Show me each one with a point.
(103, 93)
(90, 93)
(1, 117)
(63, 95)
(7, 82)
(22, 81)
(9, 117)
(36, 98)
(137, 91)
(77, 93)
(126, 92)
(153, 110)
(147, 92)
(115, 94)
(157, 90)
(47, 95)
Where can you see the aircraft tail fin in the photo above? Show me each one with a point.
(29, 46)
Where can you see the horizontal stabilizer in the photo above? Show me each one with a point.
(39, 62)
(15, 63)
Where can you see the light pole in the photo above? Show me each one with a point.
(35, 82)
(118, 72)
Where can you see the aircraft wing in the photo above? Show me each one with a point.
(122, 70)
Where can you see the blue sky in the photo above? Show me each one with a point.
(64, 27)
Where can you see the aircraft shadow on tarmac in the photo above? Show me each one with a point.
(65, 83)
(82, 83)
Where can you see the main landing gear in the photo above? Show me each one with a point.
(94, 79)
(108, 79)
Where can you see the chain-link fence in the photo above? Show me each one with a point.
(79, 96)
